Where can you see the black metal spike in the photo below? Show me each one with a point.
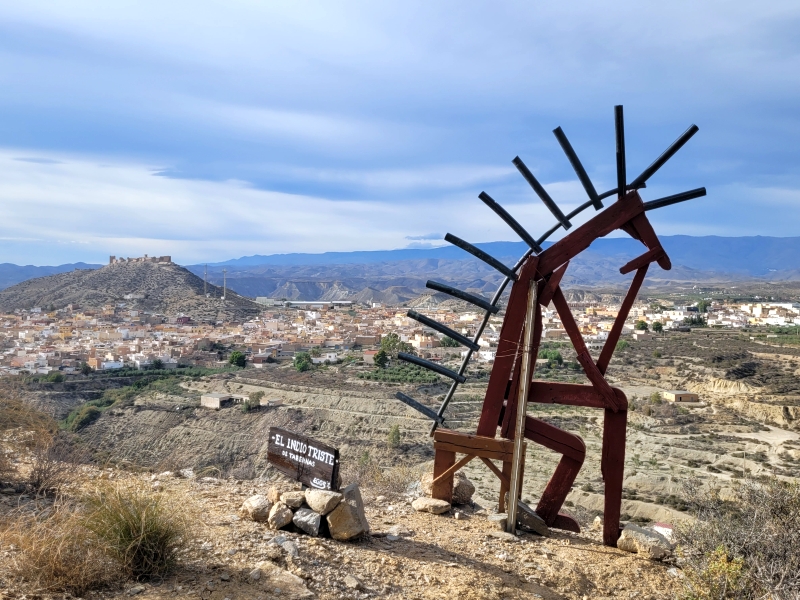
(666, 155)
(461, 295)
(541, 192)
(478, 253)
(619, 130)
(674, 199)
(428, 322)
(578, 168)
(426, 364)
(430, 413)
(510, 221)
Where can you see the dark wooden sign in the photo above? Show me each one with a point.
(304, 459)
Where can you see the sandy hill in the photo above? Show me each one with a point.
(166, 288)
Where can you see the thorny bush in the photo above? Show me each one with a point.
(745, 546)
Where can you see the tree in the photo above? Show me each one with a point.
(448, 342)
(302, 361)
(380, 359)
(703, 305)
(255, 398)
(641, 325)
(158, 364)
(315, 352)
(85, 368)
(658, 327)
(392, 344)
(237, 359)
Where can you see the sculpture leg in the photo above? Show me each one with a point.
(574, 452)
(612, 466)
(443, 460)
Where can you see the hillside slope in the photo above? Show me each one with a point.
(166, 288)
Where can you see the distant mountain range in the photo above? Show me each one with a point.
(395, 276)
(755, 256)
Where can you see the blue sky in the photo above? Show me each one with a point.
(212, 130)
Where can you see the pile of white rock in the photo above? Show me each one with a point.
(314, 512)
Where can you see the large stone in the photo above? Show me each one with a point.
(463, 488)
(498, 521)
(322, 501)
(279, 516)
(528, 520)
(647, 542)
(348, 520)
(272, 577)
(293, 499)
(431, 505)
(256, 508)
(308, 521)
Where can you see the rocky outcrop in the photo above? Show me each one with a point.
(280, 516)
(647, 542)
(431, 505)
(257, 508)
(322, 501)
(348, 520)
(463, 488)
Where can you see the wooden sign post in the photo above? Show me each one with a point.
(304, 459)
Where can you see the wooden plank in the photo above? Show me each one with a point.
(558, 489)
(452, 470)
(570, 394)
(507, 350)
(510, 412)
(598, 381)
(641, 261)
(612, 467)
(493, 454)
(442, 461)
(474, 442)
(649, 238)
(495, 470)
(554, 438)
(568, 321)
(566, 523)
(546, 294)
(619, 322)
(581, 238)
(304, 459)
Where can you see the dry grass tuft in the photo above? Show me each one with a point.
(57, 553)
(743, 547)
(371, 477)
(142, 530)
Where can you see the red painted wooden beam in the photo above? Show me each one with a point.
(568, 247)
(641, 261)
(507, 349)
(619, 322)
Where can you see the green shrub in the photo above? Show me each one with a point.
(394, 436)
(55, 377)
(142, 530)
(86, 415)
(302, 361)
(237, 359)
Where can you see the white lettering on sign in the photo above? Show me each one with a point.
(304, 459)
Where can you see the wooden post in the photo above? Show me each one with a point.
(522, 408)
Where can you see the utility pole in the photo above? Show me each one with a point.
(224, 283)
(205, 282)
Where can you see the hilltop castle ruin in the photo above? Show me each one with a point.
(153, 259)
